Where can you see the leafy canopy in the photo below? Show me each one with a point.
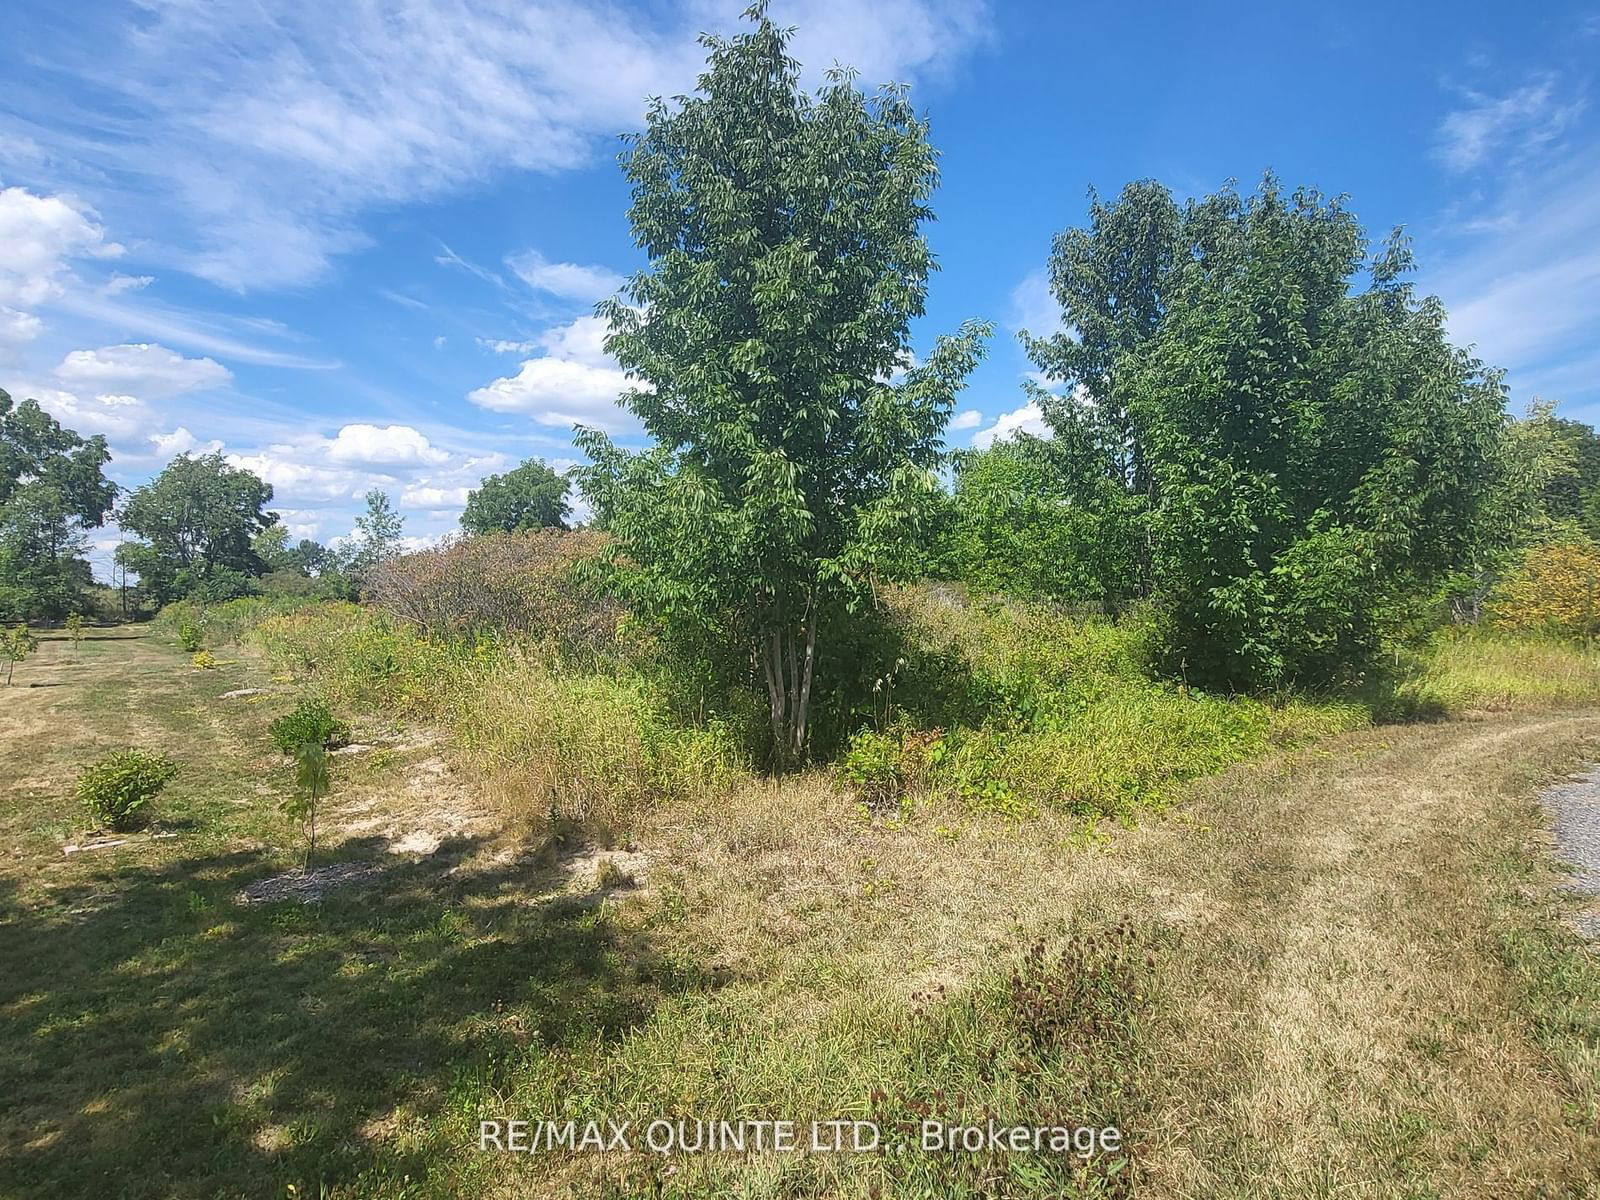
(1310, 452)
(198, 519)
(377, 534)
(795, 440)
(530, 497)
(52, 489)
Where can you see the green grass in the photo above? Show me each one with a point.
(1486, 670)
(159, 1039)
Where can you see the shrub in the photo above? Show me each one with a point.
(16, 644)
(871, 764)
(311, 723)
(1556, 591)
(507, 583)
(204, 660)
(312, 781)
(190, 633)
(116, 789)
(885, 768)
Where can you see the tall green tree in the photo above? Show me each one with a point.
(530, 497)
(198, 519)
(52, 489)
(792, 464)
(1572, 493)
(1311, 449)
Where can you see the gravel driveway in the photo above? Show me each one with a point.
(1575, 817)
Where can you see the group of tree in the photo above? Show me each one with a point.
(1260, 435)
(206, 534)
(1259, 426)
(202, 526)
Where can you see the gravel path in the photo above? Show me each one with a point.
(1575, 815)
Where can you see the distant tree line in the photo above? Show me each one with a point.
(202, 526)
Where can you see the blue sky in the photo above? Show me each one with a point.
(356, 244)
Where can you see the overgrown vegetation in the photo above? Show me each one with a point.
(908, 794)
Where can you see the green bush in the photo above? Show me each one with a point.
(116, 789)
(871, 764)
(191, 635)
(312, 723)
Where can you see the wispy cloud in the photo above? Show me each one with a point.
(1033, 308)
(1527, 294)
(210, 333)
(249, 141)
(1490, 130)
(569, 281)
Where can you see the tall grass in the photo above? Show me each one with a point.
(1482, 669)
(551, 743)
(997, 706)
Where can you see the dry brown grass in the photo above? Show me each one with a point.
(1336, 1015)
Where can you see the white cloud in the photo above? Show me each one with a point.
(391, 445)
(573, 382)
(558, 391)
(251, 139)
(120, 417)
(181, 441)
(290, 473)
(1027, 419)
(144, 368)
(118, 284)
(570, 281)
(435, 497)
(501, 346)
(18, 328)
(583, 340)
(970, 419)
(1492, 129)
(41, 234)
(1033, 308)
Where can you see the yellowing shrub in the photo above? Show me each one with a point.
(1555, 591)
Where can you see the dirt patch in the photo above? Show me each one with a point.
(307, 887)
(592, 870)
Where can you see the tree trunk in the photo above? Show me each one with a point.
(788, 662)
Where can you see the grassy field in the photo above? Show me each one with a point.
(1337, 970)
